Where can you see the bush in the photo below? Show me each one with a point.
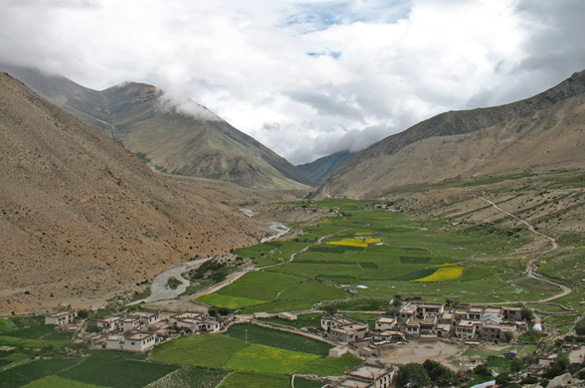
(412, 375)
(439, 374)
(526, 314)
(560, 366)
(503, 379)
(580, 327)
(482, 370)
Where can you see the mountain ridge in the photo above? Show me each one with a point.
(82, 219)
(170, 139)
(411, 156)
(319, 169)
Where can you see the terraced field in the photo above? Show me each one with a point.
(367, 253)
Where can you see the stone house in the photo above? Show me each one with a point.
(60, 318)
(367, 375)
(109, 324)
(386, 323)
(132, 341)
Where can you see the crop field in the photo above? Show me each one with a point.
(385, 254)
(277, 290)
(278, 339)
(191, 377)
(268, 359)
(252, 355)
(255, 380)
(212, 351)
(56, 381)
(330, 366)
(86, 372)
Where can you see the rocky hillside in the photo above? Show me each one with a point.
(82, 218)
(541, 133)
(169, 139)
(322, 167)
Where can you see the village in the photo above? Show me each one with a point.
(140, 331)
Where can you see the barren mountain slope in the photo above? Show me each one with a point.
(81, 218)
(169, 139)
(319, 169)
(541, 133)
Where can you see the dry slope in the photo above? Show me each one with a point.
(81, 218)
(170, 139)
(541, 133)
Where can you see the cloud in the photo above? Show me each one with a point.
(306, 77)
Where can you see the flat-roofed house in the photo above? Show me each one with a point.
(466, 329)
(60, 318)
(430, 309)
(130, 322)
(407, 312)
(330, 321)
(412, 328)
(349, 333)
(133, 341)
(197, 322)
(368, 375)
(474, 314)
(495, 332)
(147, 318)
(386, 323)
(512, 313)
(108, 324)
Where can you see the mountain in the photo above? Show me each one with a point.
(319, 169)
(82, 219)
(540, 133)
(188, 141)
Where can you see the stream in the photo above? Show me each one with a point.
(279, 229)
(159, 289)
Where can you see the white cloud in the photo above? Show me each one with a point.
(306, 77)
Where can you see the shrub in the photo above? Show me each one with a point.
(580, 327)
(412, 375)
(439, 374)
(526, 314)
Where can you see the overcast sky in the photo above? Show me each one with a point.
(307, 78)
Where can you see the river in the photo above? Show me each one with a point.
(159, 289)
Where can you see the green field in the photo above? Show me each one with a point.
(385, 254)
(255, 380)
(271, 291)
(330, 366)
(278, 339)
(56, 381)
(252, 355)
(212, 351)
(268, 359)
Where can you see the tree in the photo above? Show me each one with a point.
(482, 370)
(560, 366)
(330, 309)
(397, 301)
(82, 314)
(526, 314)
(503, 379)
(580, 327)
(439, 374)
(412, 375)
(509, 336)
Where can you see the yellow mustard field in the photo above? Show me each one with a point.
(356, 242)
(443, 274)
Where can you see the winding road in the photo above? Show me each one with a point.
(530, 267)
